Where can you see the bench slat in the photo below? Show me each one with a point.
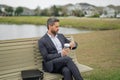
(16, 66)
(15, 47)
(16, 61)
(16, 55)
(11, 71)
(14, 51)
(19, 40)
(17, 43)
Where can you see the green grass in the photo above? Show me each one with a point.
(24, 20)
(81, 23)
(92, 23)
(101, 51)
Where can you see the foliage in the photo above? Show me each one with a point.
(77, 13)
(95, 15)
(54, 10)
(45, 12)
(0, 11)
(37, 11)
(18, 11)
(9, 11)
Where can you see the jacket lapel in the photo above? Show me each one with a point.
(49, 41)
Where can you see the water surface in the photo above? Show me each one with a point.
(13, 31)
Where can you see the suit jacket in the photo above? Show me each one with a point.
(49, 51)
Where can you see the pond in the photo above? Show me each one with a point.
(13, 31)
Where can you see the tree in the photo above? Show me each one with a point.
(105, 12)
(96, 15)
(45, 12)
(9, 11)
(18, 11)
(37, 11)
(64, 11)
(77, 13)
(0, 11)
(55, 10)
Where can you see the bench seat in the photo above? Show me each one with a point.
(23, 54)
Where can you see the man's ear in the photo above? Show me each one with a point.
(49, 27)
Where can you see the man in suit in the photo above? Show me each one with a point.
(55, 59)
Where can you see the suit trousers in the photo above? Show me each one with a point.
(66, 67)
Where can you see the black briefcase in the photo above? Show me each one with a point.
(32, 75)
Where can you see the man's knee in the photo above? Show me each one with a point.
(66, 58)
(67, 74)
(65, 70)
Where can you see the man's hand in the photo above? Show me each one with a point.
(65, 51)
(72, 44)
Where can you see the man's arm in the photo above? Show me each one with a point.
(44, 52)
(73, 44)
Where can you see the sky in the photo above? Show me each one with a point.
(32, 4)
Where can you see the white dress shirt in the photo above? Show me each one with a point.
(56, 42)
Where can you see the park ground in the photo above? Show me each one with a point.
(101, 51)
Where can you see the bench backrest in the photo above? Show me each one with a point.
(20, 54)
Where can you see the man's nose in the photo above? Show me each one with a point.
(58, 29)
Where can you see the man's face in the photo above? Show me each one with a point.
(55, 28)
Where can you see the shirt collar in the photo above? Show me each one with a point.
(52, 36)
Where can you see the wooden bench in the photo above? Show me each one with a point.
(23, 54)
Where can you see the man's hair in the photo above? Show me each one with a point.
(51, 21)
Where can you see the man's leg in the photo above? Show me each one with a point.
(60, 67)
(67, 74)
(67, 61)
(73, 68)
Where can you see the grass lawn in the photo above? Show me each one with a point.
(80, 23)
(101, 51)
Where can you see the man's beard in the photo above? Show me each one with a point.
(54, 32)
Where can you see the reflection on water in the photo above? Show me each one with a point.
(9, 31)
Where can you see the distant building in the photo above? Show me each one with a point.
(89, 11)
(70, 8)
(86, 9)
(103, 16)
(28, 12)
(118, 15)
(108, 12)
(3, 13)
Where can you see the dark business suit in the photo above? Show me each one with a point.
(54, 62)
